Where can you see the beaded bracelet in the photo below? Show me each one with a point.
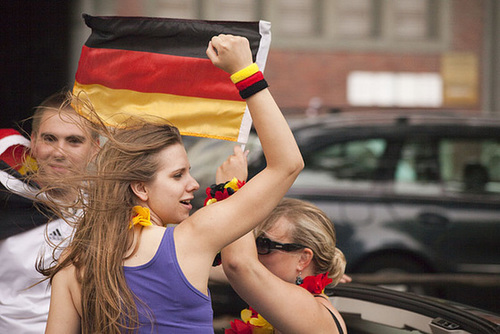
(249, 81)
(218, 192)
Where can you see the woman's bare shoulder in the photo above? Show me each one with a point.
(326, 303)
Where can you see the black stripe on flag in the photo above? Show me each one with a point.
(176, 37)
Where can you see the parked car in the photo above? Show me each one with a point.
(407, 192)
(375, 310)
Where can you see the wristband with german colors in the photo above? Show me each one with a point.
(249, 81)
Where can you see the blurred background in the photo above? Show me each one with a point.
(327, 57)
(325, 54)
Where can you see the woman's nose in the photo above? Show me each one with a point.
(194, 184)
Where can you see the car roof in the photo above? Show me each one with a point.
(391, 117)
(348, 125)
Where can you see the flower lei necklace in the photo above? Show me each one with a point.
(253, 323)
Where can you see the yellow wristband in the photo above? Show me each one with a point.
(244, 73)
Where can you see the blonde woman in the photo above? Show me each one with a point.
(282, 272)
(125, 272)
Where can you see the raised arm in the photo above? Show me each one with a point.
(276, 300)
(227, 220)
(232, 53)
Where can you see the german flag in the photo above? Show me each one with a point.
(145, 66)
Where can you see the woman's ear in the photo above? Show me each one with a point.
(139, 190)
(305, 259)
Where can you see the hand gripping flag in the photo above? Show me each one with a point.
(158, 67)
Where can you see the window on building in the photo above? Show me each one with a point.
(403, 25)
(360, 24)
(298, 18)
(182, 9)
(357, 19)
(414, 20)
(230, 10)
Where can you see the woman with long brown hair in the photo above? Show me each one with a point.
(125, 271)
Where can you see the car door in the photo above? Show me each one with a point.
(470, 173)
(451, 188)
(372, 310)
(341, 177)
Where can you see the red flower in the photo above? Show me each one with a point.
(239, 327)
(220, 195)
(240, 184)
(316, 284)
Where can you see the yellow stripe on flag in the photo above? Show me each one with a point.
(193, 116)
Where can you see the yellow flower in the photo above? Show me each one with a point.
(257, 323)
(255, 319)
(246, 315)
(29, 165)
(261, 330)
(260, 322)
(210, 201)
(142, 217)
(233, 184)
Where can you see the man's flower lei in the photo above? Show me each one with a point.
(253, 323)
(142, 217)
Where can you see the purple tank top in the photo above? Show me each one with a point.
(176, 305)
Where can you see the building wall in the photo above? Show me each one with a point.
(298, 76)
(305, 69)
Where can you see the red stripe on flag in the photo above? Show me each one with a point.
(148, 72)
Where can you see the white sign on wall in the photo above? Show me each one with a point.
(389, 89)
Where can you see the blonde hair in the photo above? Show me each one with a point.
(61, 102)
(102, 237)
(312, 228)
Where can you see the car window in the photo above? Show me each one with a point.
(463, 166)
(346, 164)
(471, 166)
(417, 170)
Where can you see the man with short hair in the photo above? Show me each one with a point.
(61, 143)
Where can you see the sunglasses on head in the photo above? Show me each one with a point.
(266, 245)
